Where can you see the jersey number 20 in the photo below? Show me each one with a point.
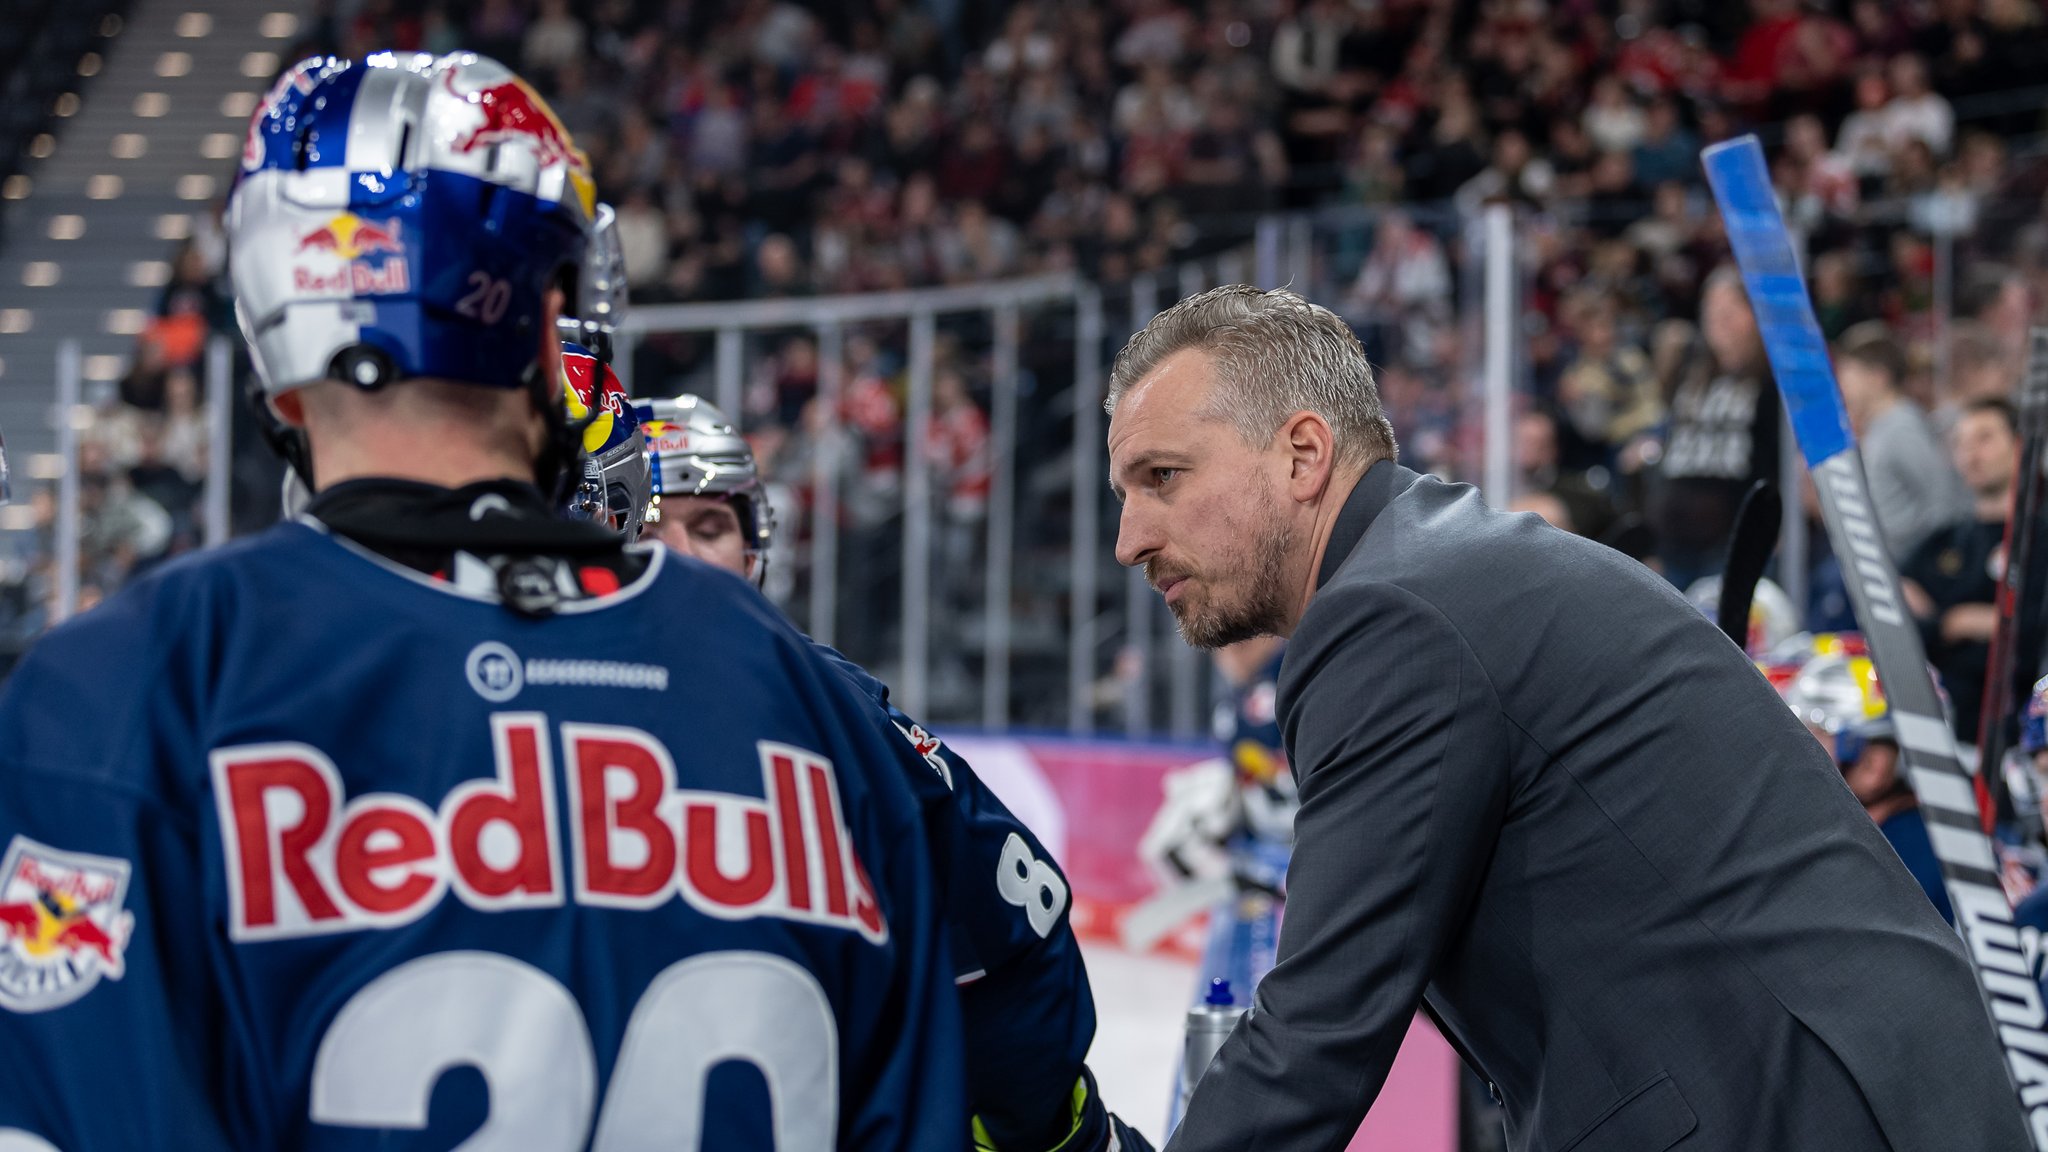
(518, 1026)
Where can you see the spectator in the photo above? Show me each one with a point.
(1403, 291)
(1516, 174)
(554, 40)
(1916, 112)
(1586, 509)
(1862, 140)
(1667, 151)
(1612, 120)
(643, 237)
(1951, 580)
(1723, 436)
(1837, 301)
(1608, 394)
(1913, 489)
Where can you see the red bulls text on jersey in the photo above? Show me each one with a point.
(305, 859)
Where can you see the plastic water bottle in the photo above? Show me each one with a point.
(1209, 1024)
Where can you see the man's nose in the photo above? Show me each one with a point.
(1137, 535)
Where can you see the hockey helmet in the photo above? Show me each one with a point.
(1836, 689)
(1772, 618)
(404, 216)
(696, 451)
(604, 288)
(614, 488)
(2034, 723)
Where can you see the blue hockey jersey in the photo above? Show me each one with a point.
(1028, 1011)
(303, 849)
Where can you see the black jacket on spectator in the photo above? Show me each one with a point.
(1958, 565)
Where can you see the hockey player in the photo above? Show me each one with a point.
(435, 817)
(1233, 817)
(1029, 1014)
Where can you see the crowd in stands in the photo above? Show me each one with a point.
(760, 148)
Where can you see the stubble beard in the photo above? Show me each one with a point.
(1263, 609)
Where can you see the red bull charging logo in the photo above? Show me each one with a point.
(511, 112)
(62, 926)
(354, 240)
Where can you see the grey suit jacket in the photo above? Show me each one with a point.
(1543, 795)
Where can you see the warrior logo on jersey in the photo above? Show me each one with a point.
(62, 926)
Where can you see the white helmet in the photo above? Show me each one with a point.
(696, 451)
(405, 216)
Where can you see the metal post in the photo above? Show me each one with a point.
(1230, 267)
(1266, 251)
(1301, 254)
(1500, 353)
(1792, 533)
(1087, 393)
(731, 368)
(995, 672)
(68, 512)
(825, 472)
(917, 518)
(1138, 596)
(220, 360)
(1944, 302)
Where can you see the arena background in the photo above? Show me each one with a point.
(902, 239)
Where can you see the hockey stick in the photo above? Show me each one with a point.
(1152, 921)
(1749, 549)
(2013, 590)
(1799, 359)
(1155, 918)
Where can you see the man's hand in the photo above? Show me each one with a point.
(1918, 602)
(1967, 622)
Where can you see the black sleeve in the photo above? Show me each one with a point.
(1400, 746)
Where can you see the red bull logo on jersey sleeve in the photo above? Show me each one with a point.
(353, 255)
(62, 925)
(305, 859)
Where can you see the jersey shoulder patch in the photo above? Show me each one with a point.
(62, 924)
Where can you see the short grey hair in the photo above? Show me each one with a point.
(1276, 354)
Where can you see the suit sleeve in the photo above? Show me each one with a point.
(1400, 749)
(106, 992)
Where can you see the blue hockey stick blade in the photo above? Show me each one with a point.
(1784, 315)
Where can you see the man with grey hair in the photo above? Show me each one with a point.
(1543, 798)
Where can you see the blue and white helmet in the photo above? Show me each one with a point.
(2034, 721)
(405, 216)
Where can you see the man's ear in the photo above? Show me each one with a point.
(1311, 449)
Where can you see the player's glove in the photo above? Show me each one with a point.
(1093, 1127)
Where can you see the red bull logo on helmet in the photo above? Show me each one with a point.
(62, 925)
(512, 111)
(666, 436)
(355, 241)
(595, 394)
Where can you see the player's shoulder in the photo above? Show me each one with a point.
(852, 673)
(84, 685)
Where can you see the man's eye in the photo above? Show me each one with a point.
(1160, 476)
